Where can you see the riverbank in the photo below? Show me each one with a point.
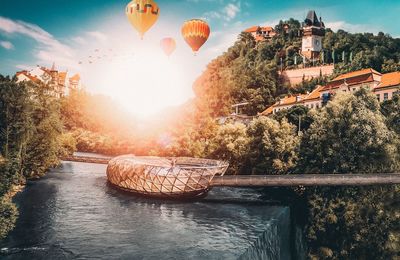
(72, 212)
(13, 191)
(8, 210)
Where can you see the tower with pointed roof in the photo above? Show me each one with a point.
(313, 34)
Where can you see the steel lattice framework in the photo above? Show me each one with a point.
(164, 177)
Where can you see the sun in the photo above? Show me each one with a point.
(143, 81)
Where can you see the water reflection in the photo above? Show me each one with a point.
(74, 214)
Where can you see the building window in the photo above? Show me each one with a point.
(354, 89)
(312, 105)
(378, 96)
(344, 90)
(385, 96)
(317, 105)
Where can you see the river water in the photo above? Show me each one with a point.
(73, 213)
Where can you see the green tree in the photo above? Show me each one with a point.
(43, 146)
(348, 222)
(231, 144)
(349, 135)
(15, 125)
(8, 216)
(299, 116)
(391, 110)
(273, 146)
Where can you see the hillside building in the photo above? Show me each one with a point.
(75, 82)
(261, 33)
(313, 34)
(383, 85)
(52, 77)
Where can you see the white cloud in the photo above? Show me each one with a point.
(7, 45)
(79, 40)
(352, 28)
(23, 67)
(231, 10)
(98, 35)
(271, 23)
(212, 15)
(228, 13)
(48, 49)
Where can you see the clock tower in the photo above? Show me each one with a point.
(313, 34)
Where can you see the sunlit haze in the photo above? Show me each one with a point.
(96, 40)
(143, 80)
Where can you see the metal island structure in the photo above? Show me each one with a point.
(164, 177)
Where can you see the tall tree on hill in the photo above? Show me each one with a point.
(43, 146)
(273, 146)
(15, 125)
(330, 147)
(350, 135)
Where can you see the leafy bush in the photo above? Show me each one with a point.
(8, 216)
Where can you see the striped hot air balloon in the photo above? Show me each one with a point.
(168, 45)
(195, 32)
(142, 14)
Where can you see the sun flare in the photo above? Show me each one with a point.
(144, 81)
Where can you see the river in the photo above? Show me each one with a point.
(73, 213)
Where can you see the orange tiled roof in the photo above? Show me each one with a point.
(21, 72)
(315, 94)
(252, 29)
(267, 28)
(263, 28)
(352, 78)
(75, 77)
(390, 79)
(283, 102)
(268, 111)
(291, 100)
(356, 74)
(48, 71)
(29, 76)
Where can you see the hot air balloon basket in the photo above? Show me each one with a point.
(164, 177)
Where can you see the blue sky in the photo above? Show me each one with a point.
(67, 31)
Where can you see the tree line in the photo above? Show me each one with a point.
(31, 139)
(351, 134)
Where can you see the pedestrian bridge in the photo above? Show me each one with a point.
(282, 180)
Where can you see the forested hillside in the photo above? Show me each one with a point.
(248, 71)
(340, 223)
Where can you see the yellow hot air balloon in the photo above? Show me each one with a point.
(142, 14)
(195, 32)
(168, 45)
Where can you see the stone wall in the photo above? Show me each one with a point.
(295, 76)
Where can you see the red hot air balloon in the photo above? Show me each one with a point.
(195, 32)
(168, 45)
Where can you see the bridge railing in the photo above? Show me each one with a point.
(292, 180)
(306, 180)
